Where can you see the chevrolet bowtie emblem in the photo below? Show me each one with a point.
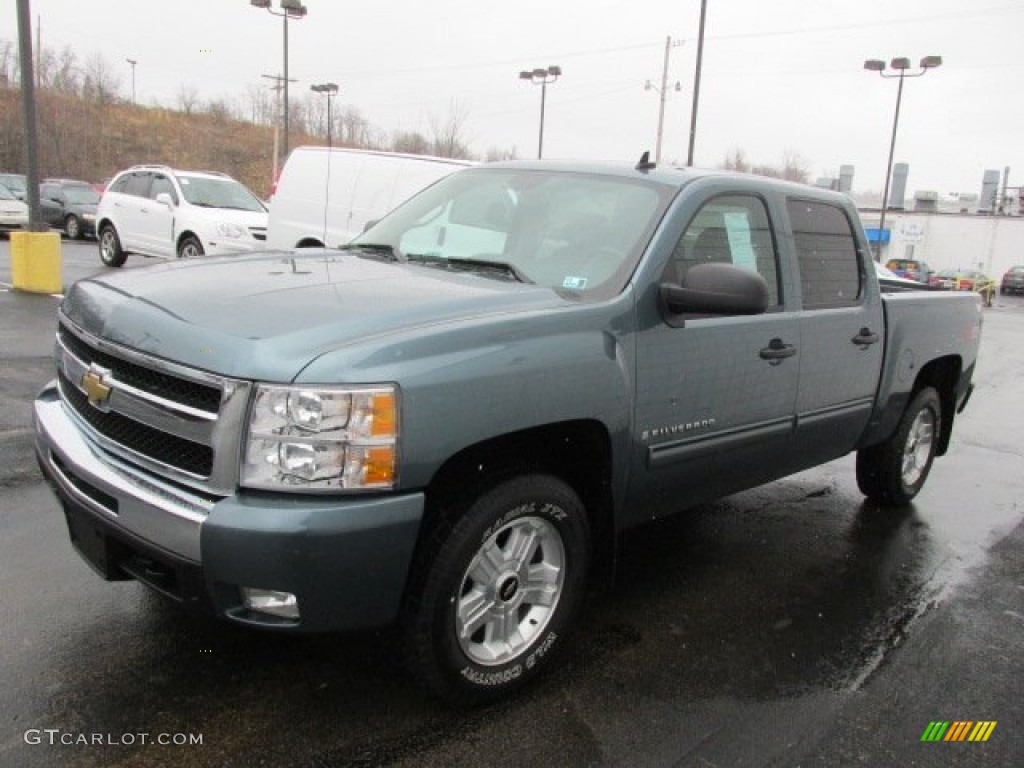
(97, 390)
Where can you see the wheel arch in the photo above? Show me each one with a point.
(577, 452)
(309, 242)
(942, 374)
(186, 233)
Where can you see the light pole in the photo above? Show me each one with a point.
(901, 65)
(663, 93)
(542, 77)
(133, 62)
(290, 9)
(330, 89)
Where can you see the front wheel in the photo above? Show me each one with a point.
(893, 472)
(496, 588)
(111, 252)
(189, 248)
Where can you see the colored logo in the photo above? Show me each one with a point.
(958, 730)
(94, 385)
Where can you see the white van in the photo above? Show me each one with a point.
(325, 197)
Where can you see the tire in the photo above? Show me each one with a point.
(892, 473)
(111, 252)
(73, 227)
(495, 589)
(190, 248)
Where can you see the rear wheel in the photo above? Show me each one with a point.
(190, 247)
(111, 253)
(496, 588)
(894, 471)
(73, 227)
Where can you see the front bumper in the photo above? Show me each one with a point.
(346, 560)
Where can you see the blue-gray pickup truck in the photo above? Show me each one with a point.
(446, 424)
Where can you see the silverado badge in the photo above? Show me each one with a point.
(94, 385)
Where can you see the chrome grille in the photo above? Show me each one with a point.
(181, 423)
(129, 434)
(201, 396)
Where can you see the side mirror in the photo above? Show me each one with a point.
(717, 289)
(369, 224)
(165, 199)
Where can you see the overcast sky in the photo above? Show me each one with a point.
(779, 76)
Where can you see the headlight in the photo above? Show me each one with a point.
(322, 439)
(231, 231)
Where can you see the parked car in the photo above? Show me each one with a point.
(890, 282)
(1013, 281)
(325, 197)
(962, 280)
(448, 422)
(153, 210)
(973, 280)
(69, 205)
(13, 212)
(16, 184)
(910, 269)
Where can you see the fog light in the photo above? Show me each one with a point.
(282, 604)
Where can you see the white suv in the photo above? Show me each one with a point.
(154, 210)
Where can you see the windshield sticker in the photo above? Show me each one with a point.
(575, 283)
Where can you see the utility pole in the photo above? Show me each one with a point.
(663, 95)
(696, 83)
(277, 87)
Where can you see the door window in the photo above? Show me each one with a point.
(730, 229)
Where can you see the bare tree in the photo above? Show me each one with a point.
(448, 140)
(8, 63)
(188, 98)
(496, 154)
(411, 142)
(355, 129)
(101, 84)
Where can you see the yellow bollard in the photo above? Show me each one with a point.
(36, 262)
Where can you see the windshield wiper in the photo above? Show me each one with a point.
(373, 250)
(483, 266)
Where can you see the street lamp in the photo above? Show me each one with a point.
(133, 62)
(290, 9)
(901, 65)
(542, 77)
(330, 89)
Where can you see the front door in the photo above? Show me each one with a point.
(716, 396)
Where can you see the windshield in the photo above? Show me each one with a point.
(81, 195)
(577, 233)
(218, 193)
(5, 193)
(14, 183)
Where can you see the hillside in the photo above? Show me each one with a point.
(85, 140)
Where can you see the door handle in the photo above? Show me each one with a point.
(865, 338)
(776, 351)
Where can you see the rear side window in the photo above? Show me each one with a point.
(826, 251)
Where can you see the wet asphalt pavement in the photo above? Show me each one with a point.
(792, 625)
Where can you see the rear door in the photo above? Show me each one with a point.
(842, 330)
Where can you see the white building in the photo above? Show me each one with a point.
(988, 243)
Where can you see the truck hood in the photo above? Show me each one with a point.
(269, 315)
